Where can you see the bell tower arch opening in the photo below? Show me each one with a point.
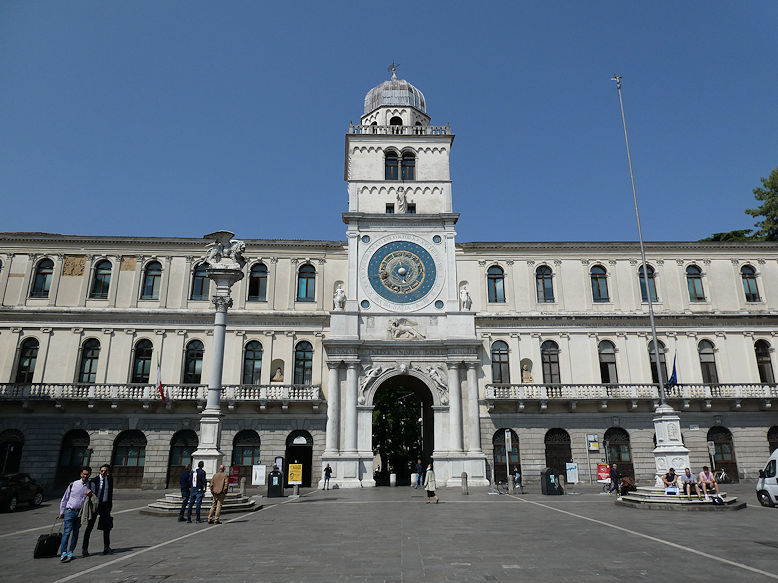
(403, 428)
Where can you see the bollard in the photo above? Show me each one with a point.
(511, 485)
(296, 490)
(243, 486)
(464, 484)
(392, 479)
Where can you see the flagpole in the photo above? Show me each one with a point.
(659, 375)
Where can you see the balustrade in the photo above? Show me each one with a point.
(400, 130)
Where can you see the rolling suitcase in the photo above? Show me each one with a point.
(48, 544)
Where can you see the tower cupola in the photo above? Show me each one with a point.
(395, 102)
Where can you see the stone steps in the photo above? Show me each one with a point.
(656, 499)
(170, 505)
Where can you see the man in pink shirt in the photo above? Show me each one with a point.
(69, 508)
(708, 480)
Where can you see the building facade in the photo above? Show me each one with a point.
(548, 340)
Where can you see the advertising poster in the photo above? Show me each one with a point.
(571, 469)
(233, 481)
(295, 474)
(258, 475)
(603, 473)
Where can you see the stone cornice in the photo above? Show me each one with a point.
(674, 321)
(552, 247)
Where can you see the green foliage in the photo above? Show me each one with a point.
(768, 194)
(741, 235)
(396, 428)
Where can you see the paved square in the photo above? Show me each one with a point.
(390, 534)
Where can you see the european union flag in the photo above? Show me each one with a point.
(673, 380)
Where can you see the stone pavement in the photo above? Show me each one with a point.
(390, 534)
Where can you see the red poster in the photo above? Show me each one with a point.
(603, 473)
(234, 475)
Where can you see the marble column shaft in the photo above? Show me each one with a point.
(350, 441)
(333, 409)
(455, 407)
(474, 427)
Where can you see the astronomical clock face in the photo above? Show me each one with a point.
(400, 272)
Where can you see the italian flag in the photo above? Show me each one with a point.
(159, 381)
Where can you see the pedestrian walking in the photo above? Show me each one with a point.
(196, 492)
(615, 477)
(102, 486)
(327, 476)
(76, 494)
(419, 474)
(517, 478)
(429, 484)
(185, 482)
(219, 485)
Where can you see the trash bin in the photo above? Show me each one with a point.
(275, 484)
(548, 483)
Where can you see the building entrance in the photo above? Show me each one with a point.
(403, 428)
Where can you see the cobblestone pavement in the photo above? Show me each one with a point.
(390, 534)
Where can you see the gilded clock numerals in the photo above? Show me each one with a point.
(401, 271)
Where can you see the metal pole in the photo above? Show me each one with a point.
(659, 375)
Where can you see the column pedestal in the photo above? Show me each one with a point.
(669, 451)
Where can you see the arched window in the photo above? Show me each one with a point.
(763, 362)
(772, 438)
(599, 284)
(391, 165)
(607, 353)
(748, 275)
(652, 360)
(495, 282)
(258, 283)
(306, 283)
(724, 451)
(193, 362)
(200, 283)
(152, 277)
(245, 448)
(408, 166)
(141, 362)
(101, 281)
(544, 284)
(549, 355)
(129, 458)
(694, 283)
(498, 447)
(651, 284)
(252, 363)
(183, 444)
(28, 355)
(90, 354)
(73, 454)
(558, 450)
(618, 450)
(42, 281)
(11, 446)
(500, 368)
(396, 124)
(303, 363)
(708, 362)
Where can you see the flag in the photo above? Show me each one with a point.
(159, 381)
(673, 380)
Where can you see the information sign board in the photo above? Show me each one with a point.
(572, 472)
(258, 475)
(711, 448)
(603, 473)
(592, 442)
(234, 472)
(295, 475)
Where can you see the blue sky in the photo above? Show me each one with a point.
(134, 118)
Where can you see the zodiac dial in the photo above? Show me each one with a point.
(401, 272)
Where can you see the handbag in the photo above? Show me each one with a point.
(671, 490)
(105, 523)
(47, 545)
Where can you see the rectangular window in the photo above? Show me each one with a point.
(389, 209)
(411, 208)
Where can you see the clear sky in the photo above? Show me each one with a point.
(179, 118)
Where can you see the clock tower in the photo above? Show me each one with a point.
(406, 318)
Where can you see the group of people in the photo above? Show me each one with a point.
(703, 484)
(193, 483)
(86, 501)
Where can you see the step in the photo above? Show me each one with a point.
(170, 505)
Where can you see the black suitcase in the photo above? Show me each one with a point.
(48, 544)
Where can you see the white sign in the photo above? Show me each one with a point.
(592, 442)
(258, 476)
(694, 427)
(711, 448)
(508, 446)
(572, 473)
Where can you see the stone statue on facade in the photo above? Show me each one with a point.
(464, 298)
(404, 329)
(437, 377)
(339, 299)
(224, 252)
(526, 375)
(402, 202)
(371, 374)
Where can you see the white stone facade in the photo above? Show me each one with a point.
(727, 309)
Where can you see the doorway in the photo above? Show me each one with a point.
(558, 451)
(182, 446)
(403, 428)
(724, 451)
(299, 450)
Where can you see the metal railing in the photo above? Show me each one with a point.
(400, 130)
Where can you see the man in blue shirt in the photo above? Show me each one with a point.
(69, 509)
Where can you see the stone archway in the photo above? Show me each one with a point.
(403, 428)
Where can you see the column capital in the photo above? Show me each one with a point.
(222, 303)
